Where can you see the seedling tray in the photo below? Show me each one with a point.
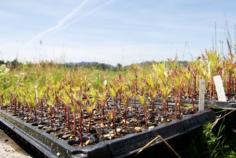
(222, 104)
(229, 104)
(218, 104)
(50, 146)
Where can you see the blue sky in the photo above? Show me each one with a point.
(112, 31)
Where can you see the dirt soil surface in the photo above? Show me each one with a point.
(9, 149)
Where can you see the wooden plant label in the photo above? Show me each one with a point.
(219, 88)
(202, 88)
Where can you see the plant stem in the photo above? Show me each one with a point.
(74, 124)
(68, 116)
(125, 116)
(165, 106)
(90, 119)
(35, 114)
(65, 112)
(14, 103)
(81, 128)
(51, 117)
(145, 116)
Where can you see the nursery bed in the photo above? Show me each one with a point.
(50, 146)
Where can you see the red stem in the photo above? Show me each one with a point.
(90, 119)
(145, 116)
(68, 116)
(165, 106)
(65, 111)
(229, 85)
(81, 128)
(41, 110)
(114, 120)
(125, 116)
(35, 114)
(74, 124)
(51, 118)
(14, 102)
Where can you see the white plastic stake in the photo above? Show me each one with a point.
(202, 88)
(219, 88)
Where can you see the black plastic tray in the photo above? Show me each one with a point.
(120, 147)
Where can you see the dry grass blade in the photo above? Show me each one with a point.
(222, 117)
(221, 111)
(234, 130)
(168, 145)
(148, 144)
(156, 139)
(215, 123)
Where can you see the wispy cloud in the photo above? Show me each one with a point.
(60, 23)
(70, 19)
(90, 12)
